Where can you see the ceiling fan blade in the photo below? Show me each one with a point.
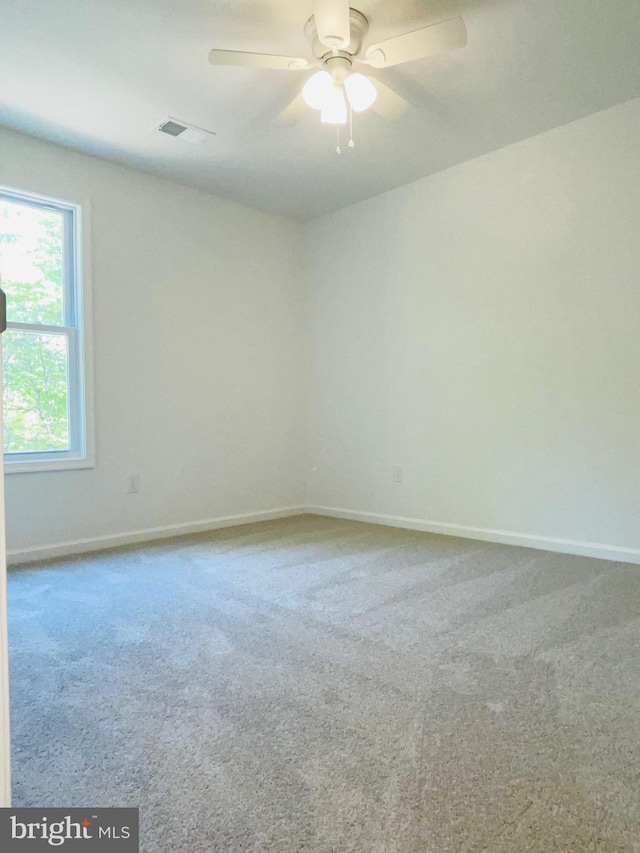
(257, 60)
(427, 41)
(389, 104)
(332, 22)
(291, 115)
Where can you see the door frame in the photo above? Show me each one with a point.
(5, 746)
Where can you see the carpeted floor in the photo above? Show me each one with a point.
(319, 685)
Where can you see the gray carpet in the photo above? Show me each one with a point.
(319, 685)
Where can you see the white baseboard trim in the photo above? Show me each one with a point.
(525, 540)
(100, 543)
(505, 537)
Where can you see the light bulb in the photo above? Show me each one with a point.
(334, 109)
(317, 90)
(360, 91)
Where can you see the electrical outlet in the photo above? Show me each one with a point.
(133, 484)
(398, 474)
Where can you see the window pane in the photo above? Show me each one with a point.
(35, 391)
(31, 263)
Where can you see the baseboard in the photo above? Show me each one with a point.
(505, 537)
(525, 540)
(100, 543)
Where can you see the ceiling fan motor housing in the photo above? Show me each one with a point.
(359, 27)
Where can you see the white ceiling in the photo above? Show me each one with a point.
(98, 75)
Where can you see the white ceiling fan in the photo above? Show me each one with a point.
(336, 33)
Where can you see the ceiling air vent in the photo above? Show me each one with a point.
(188, 132)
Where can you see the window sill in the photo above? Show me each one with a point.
(42, 465)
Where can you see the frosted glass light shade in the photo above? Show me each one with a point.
(360, 91)
(334, 109)
(317, 90)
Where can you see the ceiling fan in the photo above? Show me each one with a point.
(336, 34)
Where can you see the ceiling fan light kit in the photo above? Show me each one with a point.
(323, 90)
(360, 91)
(334, 109)
(336, 34)
(317, 89)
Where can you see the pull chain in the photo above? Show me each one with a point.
(338, 151)
(351, 142)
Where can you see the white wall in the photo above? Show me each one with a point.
(478, 327)
(197, 333)
(481, 327)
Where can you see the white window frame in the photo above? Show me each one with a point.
(77, 326)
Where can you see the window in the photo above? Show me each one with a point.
(45, 412)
